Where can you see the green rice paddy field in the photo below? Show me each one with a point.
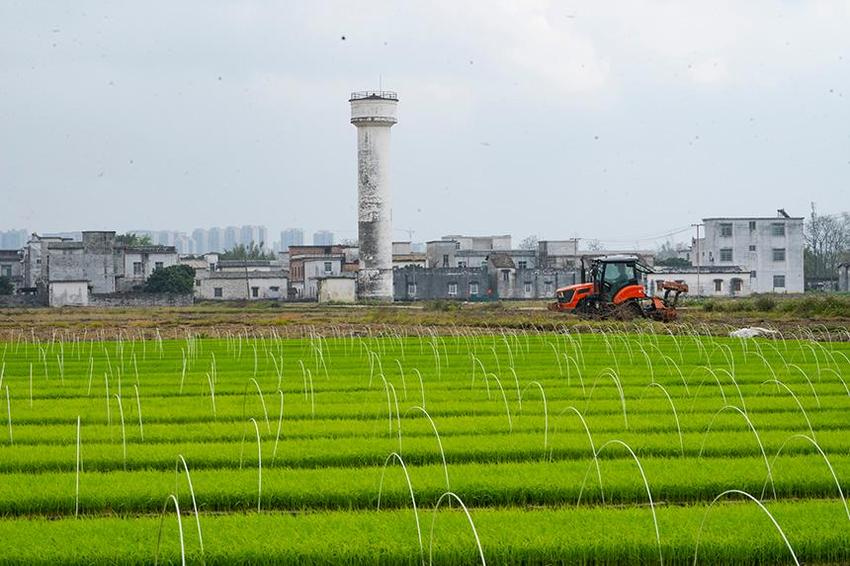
(406, 447)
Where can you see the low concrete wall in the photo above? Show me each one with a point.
(426, 284)
(141, 300)
(69, 294)
(22, 301)
(337, 290)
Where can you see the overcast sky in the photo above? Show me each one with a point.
(621, 121)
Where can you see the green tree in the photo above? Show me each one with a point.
(827, 238)
(251, 251)
(171, 279)
(6, 287)
(130, 239)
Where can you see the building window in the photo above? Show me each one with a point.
(506, 275)
(452, 289)
(752, 248)
(778, 281)
(752, 274)
(777, 229)
(328, 267)
(778, 254)
(274, 289)
(726, 254)
(473, 289)
(255, 291)
(752, 225)
(445, 260)
(137, 268)
(411, 289)
(527, 288)
(158, 265)
(522, 264)
(461, 264)
(737, 285)
(197, 282)
(6, 270)
(217, 292)
(547, 286)
(718, 285)
(726, 229)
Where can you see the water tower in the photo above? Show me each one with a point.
(374, 113)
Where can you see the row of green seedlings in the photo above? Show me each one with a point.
(189, 353)
(374, 358)
(642, 331)
(450, 496)
(392, 400)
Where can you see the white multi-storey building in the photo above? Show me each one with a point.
(768, 250)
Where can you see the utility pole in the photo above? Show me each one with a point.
(247, 280)
(697, 226)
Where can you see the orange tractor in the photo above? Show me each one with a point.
(611, 288)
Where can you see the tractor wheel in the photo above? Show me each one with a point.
(628, 311)
(586, 309)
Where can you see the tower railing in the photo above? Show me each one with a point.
(382, 94)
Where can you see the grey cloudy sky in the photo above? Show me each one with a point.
(611, 120)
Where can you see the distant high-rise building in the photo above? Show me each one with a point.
(323, 238)
(263, 237)
(200, 241)
(247, 235)
(291, 237)
(215, 240)
(13, 239)
(164, 238)
(183, 243)
(231, 238)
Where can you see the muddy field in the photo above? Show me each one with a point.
(445, 318)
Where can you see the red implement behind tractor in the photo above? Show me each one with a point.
(612, 289)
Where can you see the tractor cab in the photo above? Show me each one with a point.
(611, 274)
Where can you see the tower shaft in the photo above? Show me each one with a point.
(374, 113)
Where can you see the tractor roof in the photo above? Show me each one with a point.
(616, 258)
(624, 259)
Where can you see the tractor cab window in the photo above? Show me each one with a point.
(616, 276)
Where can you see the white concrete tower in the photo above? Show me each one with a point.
(374, 113)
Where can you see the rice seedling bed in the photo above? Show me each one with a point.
(597, 448)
